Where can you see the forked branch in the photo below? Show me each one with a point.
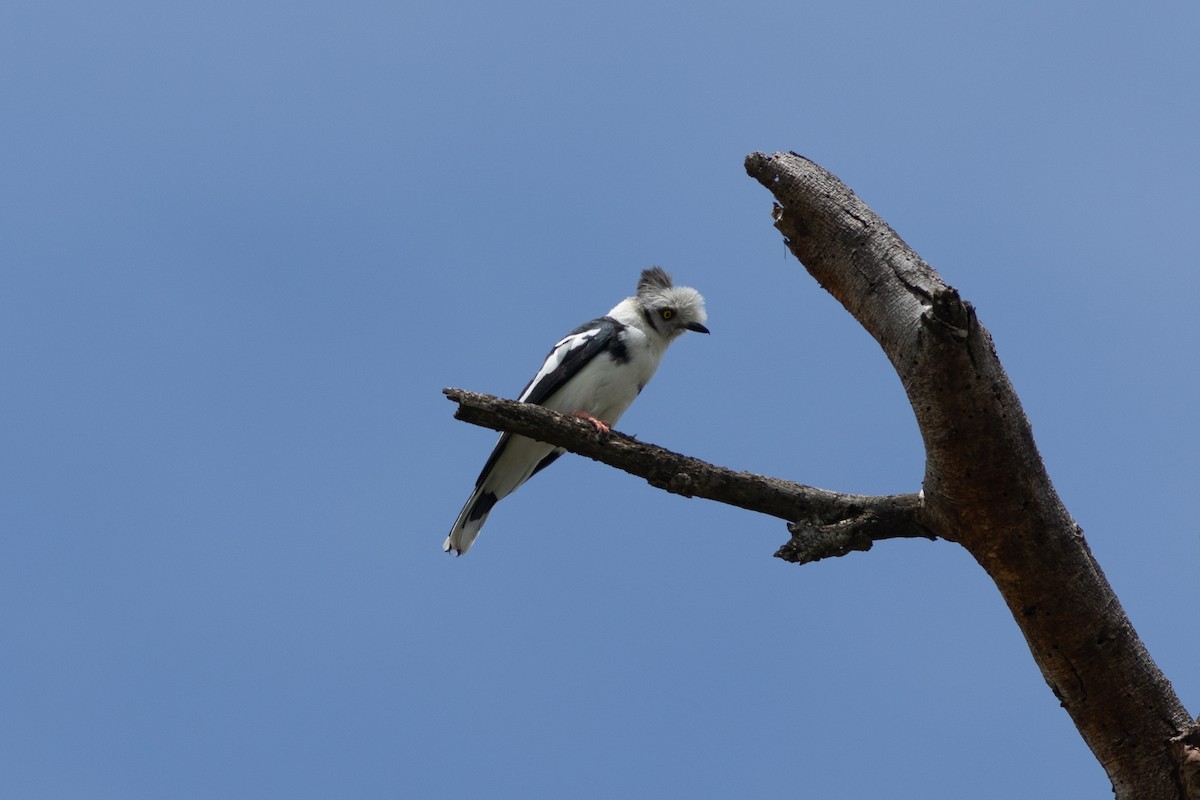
(985, 486)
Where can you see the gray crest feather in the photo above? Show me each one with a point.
(654, 279)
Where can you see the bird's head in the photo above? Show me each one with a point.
(669, 309)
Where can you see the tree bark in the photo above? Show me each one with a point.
(985, 486)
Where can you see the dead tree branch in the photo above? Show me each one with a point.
(824, 523)
(985, 485)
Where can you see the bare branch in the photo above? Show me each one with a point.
(890, 517)
(1187, 748)
(824, 523)
(985, 484)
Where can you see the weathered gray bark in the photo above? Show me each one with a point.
(985, 486)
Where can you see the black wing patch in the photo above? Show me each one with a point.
(572, 353)
(566, 358)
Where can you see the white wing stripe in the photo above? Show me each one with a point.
(560, 352)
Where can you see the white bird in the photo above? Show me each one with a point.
(594, 372)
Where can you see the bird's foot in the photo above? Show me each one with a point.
(600, 424)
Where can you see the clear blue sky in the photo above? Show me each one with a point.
(244, 246)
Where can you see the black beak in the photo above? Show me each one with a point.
(697, 327)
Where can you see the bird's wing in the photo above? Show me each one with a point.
(569, 356)
(564, 361)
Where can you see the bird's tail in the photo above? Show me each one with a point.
(469, 521)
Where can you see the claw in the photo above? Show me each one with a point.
(600, 424)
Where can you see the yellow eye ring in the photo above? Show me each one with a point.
(667, 313)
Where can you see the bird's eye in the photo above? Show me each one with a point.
(667, 313)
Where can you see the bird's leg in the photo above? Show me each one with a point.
(600, 424)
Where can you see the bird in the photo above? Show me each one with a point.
(594, 372)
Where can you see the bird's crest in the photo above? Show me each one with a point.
(653, 280)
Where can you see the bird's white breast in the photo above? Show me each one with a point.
(605, 387)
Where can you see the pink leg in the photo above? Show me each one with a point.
(600, 424)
